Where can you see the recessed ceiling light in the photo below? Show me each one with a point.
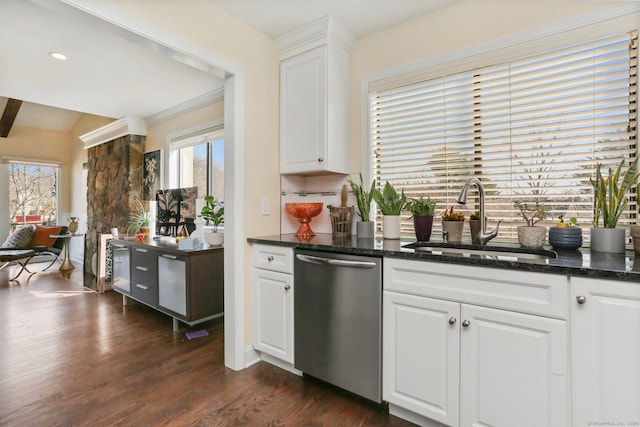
(58, 55)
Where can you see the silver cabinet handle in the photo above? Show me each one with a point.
(169, 256)
(321, 159)
(452, 320)
(142, 250)
(270, 258)
(287, 287)
(145, 287)
(466, 323)
(581, 299)
(141, 268)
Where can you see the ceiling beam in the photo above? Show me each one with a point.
(8, 116)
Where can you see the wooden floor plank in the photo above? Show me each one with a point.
(69, 357)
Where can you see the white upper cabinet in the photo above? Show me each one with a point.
(314, 99)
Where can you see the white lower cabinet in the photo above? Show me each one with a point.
(459, 363)
(605, 345)
(273, 302)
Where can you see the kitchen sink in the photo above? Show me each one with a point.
(506, 253)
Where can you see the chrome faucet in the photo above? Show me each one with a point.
(483, 236)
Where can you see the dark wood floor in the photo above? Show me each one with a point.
(70, 357)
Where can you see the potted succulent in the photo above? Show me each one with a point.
(213, 213)
(530, 235)
(609, 201)
(565, 234)
(391, 205)
(422, 211)
(452, 225)
(365, 228)
(138, 221)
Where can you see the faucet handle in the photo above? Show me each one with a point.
(445, 236)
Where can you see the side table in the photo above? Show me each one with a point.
(66, 263)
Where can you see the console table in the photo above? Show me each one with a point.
(187, 285)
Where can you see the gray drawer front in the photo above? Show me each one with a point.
(144, 275)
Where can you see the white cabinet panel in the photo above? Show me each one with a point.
(605, 351)
(273, 300)
(512, 368)
(421, 354)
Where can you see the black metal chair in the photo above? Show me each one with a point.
(23, 260)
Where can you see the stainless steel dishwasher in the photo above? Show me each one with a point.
(338, 320)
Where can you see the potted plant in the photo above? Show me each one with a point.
(138, 220)
(213, 213)
(365, 228)
(422, 212)
(609, 201)
(452, 225)
(565, 234)
(391, 205)
(530, 235)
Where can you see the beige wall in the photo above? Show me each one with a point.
(201, 23)
(463, 25)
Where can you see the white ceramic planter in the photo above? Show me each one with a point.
(391, 226)
(610, 240)
(532, 237)
(215, 238)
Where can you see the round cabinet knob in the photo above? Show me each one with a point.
(287, 287)
(581, 299)
(269, 258)
(466, 323)
(452, 321)
(320, 159)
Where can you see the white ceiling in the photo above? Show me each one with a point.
(361, 17)
(113, 73)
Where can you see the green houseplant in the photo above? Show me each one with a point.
(365, 228)
(530, 235)
(391, 205)
(138, 219)
(213, 213)
(422, 211)
(609, 202)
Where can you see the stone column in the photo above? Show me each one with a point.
(114, 180)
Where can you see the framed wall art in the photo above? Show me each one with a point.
(152, 174)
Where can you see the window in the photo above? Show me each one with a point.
(532, 129)
(33, 194)
(197, 160)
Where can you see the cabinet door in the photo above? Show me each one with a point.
(512, 369)
(172, 283)
(121, 275)
(421, 355)
(606, 351)
(303, 112)
(273, 313)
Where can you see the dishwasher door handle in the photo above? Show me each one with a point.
(335, 262)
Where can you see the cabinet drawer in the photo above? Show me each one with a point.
(144, 291)
(144, 258)
(274, 258)
(515, 290)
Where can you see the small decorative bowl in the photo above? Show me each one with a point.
(303, 212)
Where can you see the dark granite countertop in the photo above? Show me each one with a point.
(580, 262)
(169, 245)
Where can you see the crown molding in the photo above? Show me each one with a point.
(114, 130)
(186, 107)
(322, 31)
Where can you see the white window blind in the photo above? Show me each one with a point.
(532, 129)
